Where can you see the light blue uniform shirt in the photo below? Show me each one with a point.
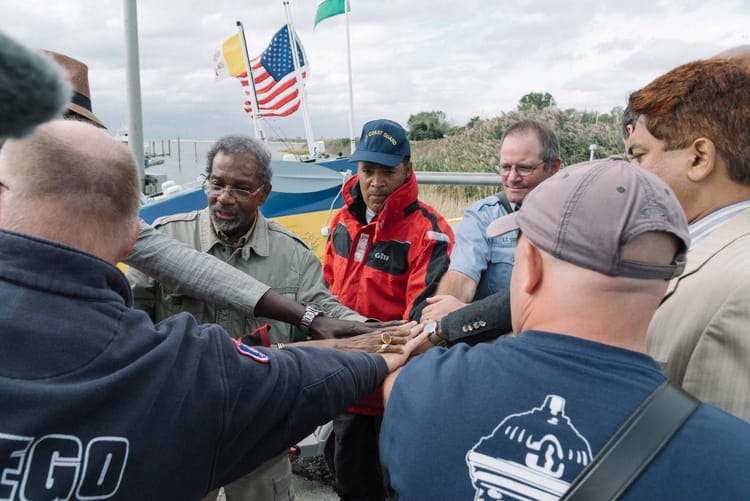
(706, 225)
(487, 261)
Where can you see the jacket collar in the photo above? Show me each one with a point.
(723, 236)
(395, 206)
(59, 269)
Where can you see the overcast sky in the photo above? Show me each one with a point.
(462, 57)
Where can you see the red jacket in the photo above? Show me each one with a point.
(387, 268)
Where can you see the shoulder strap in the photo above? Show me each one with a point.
(634, 445)
(505, 202)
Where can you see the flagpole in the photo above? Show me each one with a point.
(132, 66)
(300, 82)
(352, 142)
(253, 97)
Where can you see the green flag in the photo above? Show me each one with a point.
(328, 8)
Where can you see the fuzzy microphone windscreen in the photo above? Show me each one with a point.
(33, 89)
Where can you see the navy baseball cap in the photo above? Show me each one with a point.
(383, 142)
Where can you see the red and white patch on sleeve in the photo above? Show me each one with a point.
(250, 352)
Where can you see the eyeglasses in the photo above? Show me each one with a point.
(215, 189)
(521, 170)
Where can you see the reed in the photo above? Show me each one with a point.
(477, 149)
(451, 201)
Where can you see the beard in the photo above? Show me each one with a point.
(229, 227)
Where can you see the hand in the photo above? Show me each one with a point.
(323, 327)
(396, 360)
(439, 306)
(386, 340)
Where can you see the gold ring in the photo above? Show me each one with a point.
(386, 338)
(382, 348)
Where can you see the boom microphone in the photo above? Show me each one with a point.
(33, 89)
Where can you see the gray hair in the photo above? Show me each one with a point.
(546, 135)
(239, 145)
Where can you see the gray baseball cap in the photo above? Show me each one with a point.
(585, 213)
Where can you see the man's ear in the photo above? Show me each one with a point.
(407, 169)
(704, 156)
(264, 192)
(532, 266)
(133, 240)
(555, 166)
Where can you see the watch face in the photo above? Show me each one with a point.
(431, 326)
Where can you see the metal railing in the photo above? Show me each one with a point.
(459, 178)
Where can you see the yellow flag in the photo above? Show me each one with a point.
(228, 60)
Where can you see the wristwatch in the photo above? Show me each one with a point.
(432, 328)
(312, 310)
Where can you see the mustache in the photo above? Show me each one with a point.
(234, 212)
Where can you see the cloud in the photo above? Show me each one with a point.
(464, 58)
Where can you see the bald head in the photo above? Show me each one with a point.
(72, 183)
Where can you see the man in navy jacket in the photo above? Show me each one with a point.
(98, 402)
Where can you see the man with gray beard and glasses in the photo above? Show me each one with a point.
(233, 229)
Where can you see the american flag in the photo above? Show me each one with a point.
(276, 85)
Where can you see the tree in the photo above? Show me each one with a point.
(427, 125)
(472, 122)
(536, 101)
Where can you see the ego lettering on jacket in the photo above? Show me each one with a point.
(61, 466)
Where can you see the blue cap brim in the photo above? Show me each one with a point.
(377, 158)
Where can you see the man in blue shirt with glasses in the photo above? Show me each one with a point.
(481, 266)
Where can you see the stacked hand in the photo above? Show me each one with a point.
(439, 306)
(388, 339)
(324, 327)
(395, 341)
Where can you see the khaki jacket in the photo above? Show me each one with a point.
(273, 255)
(701, 332)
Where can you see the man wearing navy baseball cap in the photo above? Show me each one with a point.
(385, 255)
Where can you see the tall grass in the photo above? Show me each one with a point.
(477, 149)
(451, 201)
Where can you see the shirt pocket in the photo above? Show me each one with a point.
(500, 267)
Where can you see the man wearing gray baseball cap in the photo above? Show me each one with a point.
(598, 244)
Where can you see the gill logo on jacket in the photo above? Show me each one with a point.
(381, 256)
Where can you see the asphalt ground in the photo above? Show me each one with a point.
(311, 480)
(305, 490)
(312, 490)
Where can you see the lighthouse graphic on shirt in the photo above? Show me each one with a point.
(531, 455)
